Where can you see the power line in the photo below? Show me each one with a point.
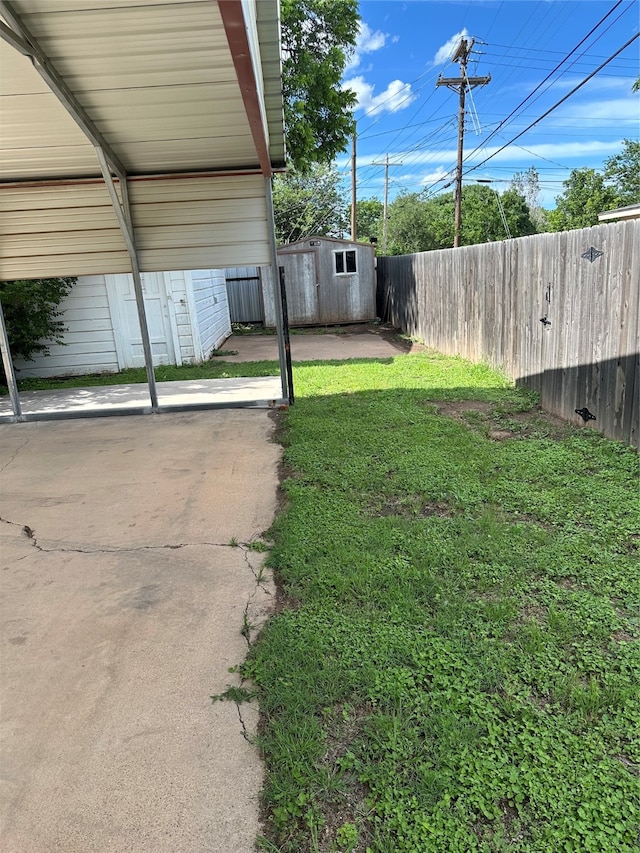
(550, 74)
(557, 104)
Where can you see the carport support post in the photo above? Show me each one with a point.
(277, 299)
(9, 372)
(122, 210)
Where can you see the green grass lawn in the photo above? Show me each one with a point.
(454, 665)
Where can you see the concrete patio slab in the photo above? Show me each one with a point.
(122, 608)
(363, 341)
(261, 391)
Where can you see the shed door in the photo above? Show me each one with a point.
(301, 284)
(122, 300)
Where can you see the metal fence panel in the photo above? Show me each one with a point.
(245, 294)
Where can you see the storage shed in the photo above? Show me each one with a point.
(327, 281)
(187, 315)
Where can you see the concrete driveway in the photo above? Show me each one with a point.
(122, 609)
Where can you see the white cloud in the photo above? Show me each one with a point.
(444, 53)
(397, 96)
(615, 110)
(367, 41)
(513, 153)
(438, 174)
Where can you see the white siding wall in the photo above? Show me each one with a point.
(211, 308)
(90, 341)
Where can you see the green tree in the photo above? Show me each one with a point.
(440, 213)
(318, 36)
(31, 314)
(309, 202)
(369, 218)
(528, 185)
(407, 226)
(482, 220)
(417, 224)
(623, 172)
(585, 196)
(520, 217)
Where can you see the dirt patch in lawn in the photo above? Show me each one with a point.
(458, 408)
(387, 332)
(500, 425)
(406, 507)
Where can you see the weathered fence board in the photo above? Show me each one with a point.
(487, 303)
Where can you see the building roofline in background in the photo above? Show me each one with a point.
(630, 211)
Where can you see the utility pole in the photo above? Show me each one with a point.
(354, 226)
(461, 84)
(386, 165)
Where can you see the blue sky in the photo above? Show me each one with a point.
(403, 47)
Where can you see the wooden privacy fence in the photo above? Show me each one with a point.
(556, 312)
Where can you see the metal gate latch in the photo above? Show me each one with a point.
(585, 414)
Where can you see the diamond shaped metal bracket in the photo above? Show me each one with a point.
(591, 254)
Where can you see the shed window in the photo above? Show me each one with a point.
(345, 261)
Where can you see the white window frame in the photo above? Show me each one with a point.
(344, 253)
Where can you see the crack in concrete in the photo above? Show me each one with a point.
(245, 733)
(249, 629)
(258, 575)
(13, 456)
(30, 533)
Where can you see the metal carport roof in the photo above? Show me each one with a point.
(138, 136)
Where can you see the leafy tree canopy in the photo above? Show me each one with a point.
(585, 195)
(527, 184)
(419, 225)
(408, 227)
(623, 172)
(587, 192)
(318, 37)
(309, 202)
(369, 218)
(482, 220)
(31, 313)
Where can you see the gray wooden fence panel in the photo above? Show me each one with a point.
(486, 302)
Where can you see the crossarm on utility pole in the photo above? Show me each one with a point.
(461, 84)
(385, 208)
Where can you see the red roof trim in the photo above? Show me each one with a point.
(236, 32)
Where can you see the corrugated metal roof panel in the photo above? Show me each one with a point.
(159, 81)
(38, 138)
(69, 229)
(84, 42)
